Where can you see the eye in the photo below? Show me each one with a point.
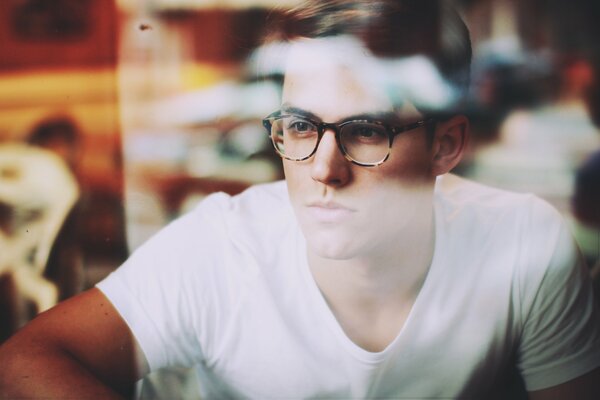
(299, 126)
(365, 132)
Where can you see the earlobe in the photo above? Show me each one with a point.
(450, 142)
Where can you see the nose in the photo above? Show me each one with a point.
(329, 166)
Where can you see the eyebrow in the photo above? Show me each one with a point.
(380, 116)
(287, 108)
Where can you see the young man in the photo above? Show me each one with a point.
(368, 273)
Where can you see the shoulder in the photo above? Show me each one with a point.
(251, 215)
(261, 200)
(530, 257)
(215, 231)
(517, 233)
(185, 285)
(252, 202)
(487, 206)
(224, 228)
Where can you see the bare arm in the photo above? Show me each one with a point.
(81, 348)
(586, 387)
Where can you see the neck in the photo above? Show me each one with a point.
(392, 273)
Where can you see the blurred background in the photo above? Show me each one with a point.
(118, 115)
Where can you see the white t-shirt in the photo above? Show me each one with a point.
(227, 288)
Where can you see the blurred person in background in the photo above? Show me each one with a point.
(586, 196)
(586, 207)
(576, 31)
(37, 192)
(370, 272)
(51, 149)
(546, 135)
(61, 135)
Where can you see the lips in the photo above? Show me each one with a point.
(329, 212)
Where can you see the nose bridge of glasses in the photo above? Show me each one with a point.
(336, 146)
(325, 126)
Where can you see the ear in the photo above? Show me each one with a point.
(449, 144)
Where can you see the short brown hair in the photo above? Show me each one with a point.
(388, 28)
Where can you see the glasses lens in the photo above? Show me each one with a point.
(294, 137)
(364, 142)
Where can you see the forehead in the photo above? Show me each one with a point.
(336, 77)
(333, 78)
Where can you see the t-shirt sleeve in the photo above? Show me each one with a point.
(161, 290)
(560, 335)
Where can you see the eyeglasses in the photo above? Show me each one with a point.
(363, 142)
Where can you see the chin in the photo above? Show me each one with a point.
(330, 253)
(333, 245)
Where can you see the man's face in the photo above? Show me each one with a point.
(346, 210)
